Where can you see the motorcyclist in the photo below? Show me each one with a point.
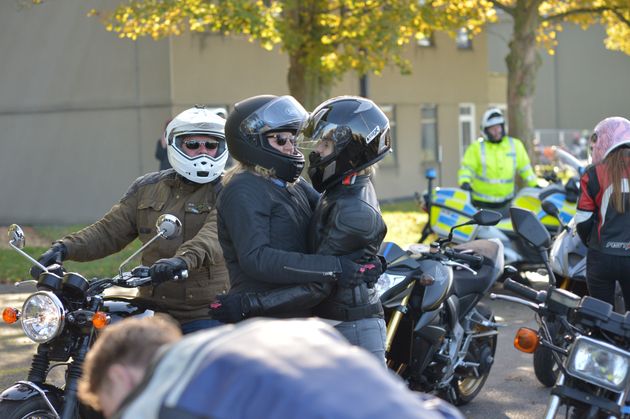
(264, 213)
(491, 163)
(261, 368)
(197, 152)
(603, 210)
(349, 134)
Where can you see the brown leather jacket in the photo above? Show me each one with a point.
(134, 217)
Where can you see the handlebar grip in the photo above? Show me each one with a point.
(520, 289)
(473, 259)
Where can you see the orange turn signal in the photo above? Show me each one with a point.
(526, 340)
(10, 315)
(100, 320)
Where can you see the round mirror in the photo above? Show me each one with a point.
(16, 236)
(168, 226)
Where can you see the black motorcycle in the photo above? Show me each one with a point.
(64, 317)
(440, 338)
(593, 356)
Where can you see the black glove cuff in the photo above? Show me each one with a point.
(60, 247)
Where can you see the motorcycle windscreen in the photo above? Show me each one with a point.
(451, 207)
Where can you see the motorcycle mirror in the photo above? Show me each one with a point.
(487, 217)
(529, 227)
(168, 226)
(550, 209)
(16, 236)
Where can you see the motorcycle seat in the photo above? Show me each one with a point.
(465, 282)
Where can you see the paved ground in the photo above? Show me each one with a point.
(510, 392)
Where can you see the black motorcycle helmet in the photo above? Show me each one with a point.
(251, 120)
(359, 130)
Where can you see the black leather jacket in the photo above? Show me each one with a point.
(263, 228)
(347, 219)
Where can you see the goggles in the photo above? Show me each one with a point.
(195, 144)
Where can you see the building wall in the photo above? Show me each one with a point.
(579, 85)
(80, 112)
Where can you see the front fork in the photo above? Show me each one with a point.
(394, 321)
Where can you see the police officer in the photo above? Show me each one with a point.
(197, 151)
(492, 162)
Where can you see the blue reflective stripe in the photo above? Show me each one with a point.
(565, 216)
(461, 234)
(449, 220)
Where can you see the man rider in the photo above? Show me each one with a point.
(197, 152)
(491, 163)
(261, 368)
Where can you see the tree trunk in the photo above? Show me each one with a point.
(305, 84)
(523, 62)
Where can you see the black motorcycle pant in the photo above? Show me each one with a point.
(603, 271)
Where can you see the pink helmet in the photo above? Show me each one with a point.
(609, 134)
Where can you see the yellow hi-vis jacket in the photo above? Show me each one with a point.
(490, 169)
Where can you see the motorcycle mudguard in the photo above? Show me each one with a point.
(21, 392)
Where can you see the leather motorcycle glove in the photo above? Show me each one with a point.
(170, 269)
(356, 269)
(229, 308)
(466, 186)
(55, 255)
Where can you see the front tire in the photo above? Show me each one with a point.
(33, 408)
(466, 387)
(545, 366)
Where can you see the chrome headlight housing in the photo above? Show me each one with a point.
(599, 363)
(42, 316)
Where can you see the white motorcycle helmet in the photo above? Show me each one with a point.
(196, 121)
(493, 116)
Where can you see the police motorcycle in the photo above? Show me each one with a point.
(440, 338)
(567, 259)
(447, 207)
(64, 317)
(593, 359)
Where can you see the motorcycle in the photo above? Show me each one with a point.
(567, 259)
(593, 380)
(447, 207)
(440, 338)
(64, 317)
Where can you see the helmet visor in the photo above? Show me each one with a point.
(195, 144)
(282, 112)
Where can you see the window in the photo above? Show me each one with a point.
(425, 40)
(429, 135)
(390, 160)
(463, 40)
(466, 126)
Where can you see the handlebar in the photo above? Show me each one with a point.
(474, 260)
(524, 291)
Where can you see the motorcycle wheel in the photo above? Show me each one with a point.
(465, 389)
(34, 408)
(545, 366)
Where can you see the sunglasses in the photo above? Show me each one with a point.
(282, 139)
(195, 144)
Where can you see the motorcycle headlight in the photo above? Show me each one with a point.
(599, 363)
(42, 316)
